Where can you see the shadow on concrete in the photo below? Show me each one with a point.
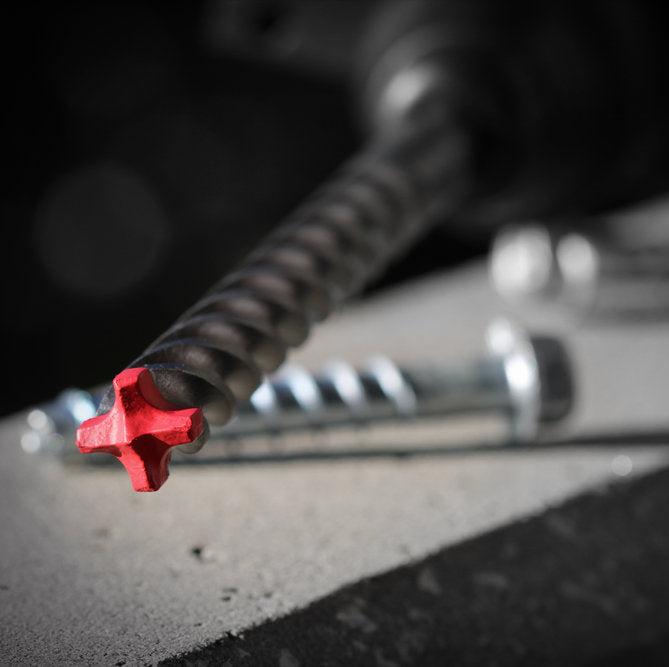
(422, 449)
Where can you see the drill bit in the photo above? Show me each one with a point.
(524, 382)
(217, 353)
(456, 116)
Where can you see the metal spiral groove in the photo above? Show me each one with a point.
(296, 398)
(217, 353)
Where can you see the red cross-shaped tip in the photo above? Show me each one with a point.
(141, 429)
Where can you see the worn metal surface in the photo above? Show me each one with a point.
(92, 573)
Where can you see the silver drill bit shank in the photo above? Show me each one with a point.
(526, 380)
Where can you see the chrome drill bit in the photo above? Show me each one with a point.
(524, 380)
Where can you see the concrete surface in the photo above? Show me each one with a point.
(583, 584)
(91, 573)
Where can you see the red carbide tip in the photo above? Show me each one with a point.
(141, 429)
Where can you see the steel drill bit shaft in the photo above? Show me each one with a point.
(217, 353)
(525, 380)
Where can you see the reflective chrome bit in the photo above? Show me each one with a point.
(526, 380)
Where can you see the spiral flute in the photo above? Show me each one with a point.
(217, 353)
(526, 380)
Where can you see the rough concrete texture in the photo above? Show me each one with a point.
(93, 573)
(583, 584)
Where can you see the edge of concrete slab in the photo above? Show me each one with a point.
(586, 583)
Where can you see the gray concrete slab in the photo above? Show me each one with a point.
(92, 573)
(584, 584)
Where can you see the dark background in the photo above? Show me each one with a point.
(142, 164)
